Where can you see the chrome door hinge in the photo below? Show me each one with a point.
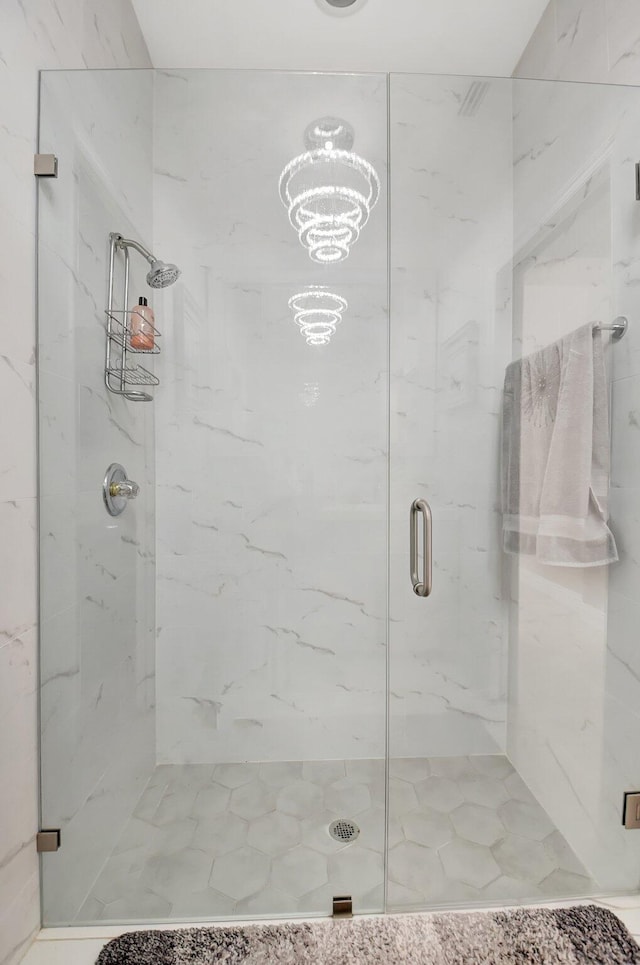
(343, 907)
(638, 181)
(48, 840)
(631, 810)
(45, 165)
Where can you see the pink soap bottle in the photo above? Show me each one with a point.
(141, 326)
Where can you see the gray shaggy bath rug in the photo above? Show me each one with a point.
(543, 936)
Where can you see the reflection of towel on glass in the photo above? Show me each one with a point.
(555, 454)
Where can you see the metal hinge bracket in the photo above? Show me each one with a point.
(48, 840)
(638, 181)
(45, 165)
(343, 907)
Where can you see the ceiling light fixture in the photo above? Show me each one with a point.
(329, 191)
(317, 312)
(340, 8)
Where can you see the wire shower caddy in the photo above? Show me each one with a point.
(122, 374)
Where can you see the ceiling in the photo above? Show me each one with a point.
(434, 36)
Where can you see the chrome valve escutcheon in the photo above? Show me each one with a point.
(117, 489)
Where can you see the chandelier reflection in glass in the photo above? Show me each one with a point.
(329, 191)
(317, 312)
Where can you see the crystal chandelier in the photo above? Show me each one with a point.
(317, 312)
(329, 191)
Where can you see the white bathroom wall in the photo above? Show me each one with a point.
(451, 241)
(574, 718)
(32, 36)
(271, 454)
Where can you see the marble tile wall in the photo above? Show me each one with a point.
(567, 139)
(451, 236)
(236, 639)
(76, 33)
(271, 454)
(585, 40)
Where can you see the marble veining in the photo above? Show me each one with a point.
(585, 40)
(271, 511)
(448, 350)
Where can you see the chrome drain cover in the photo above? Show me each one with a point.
(344, 830)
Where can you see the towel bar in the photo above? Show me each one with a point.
(617, 328)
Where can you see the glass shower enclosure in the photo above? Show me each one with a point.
(250, 704)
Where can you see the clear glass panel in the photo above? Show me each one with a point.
(572, 716)
(513, 687)
(268, 456)
(97, 572)
(196, 748)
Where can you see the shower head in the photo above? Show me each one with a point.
(162, 275)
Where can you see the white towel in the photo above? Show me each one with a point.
(555, 454)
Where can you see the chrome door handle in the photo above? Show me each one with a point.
(421, 587)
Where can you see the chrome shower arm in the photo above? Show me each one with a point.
(130, 243)
(161, 274)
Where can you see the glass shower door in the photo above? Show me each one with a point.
(511, 226)
(451, 230)
(272, 474)
(214, 659)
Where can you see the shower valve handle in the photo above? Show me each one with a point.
(126, 489)
(117, 489)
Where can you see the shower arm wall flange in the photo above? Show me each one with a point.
(125, 243)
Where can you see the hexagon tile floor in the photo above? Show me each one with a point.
(208, 841)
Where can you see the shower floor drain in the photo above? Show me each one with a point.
(344, 830)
